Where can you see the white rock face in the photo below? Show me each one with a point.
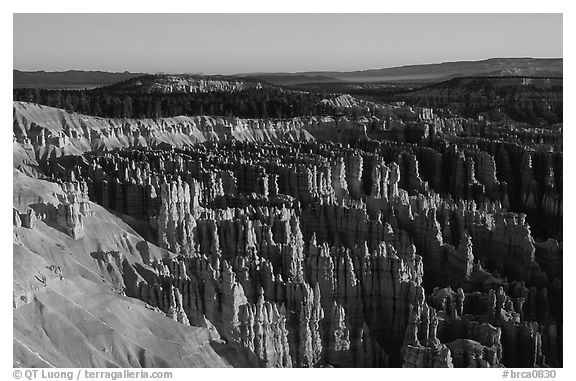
(49, 131)
(163, 83)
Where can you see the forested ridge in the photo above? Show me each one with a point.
(119, 103)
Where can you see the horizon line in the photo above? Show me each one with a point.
(289, 72)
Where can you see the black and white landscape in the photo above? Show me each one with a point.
(409, 216)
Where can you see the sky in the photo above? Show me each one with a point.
(247, 43)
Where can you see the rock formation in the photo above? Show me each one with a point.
(314, 242)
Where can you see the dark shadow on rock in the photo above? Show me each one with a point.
(48, 214)
(144, 251)
(98, 255)
(149, 276)
(141, 227)
(236, 356)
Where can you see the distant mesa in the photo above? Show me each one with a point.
(427, 73)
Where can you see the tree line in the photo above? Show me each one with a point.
(248, 103)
